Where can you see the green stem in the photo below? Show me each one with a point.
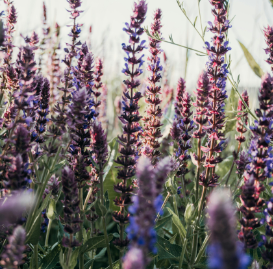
(48, 231)
(81, 257)
(36, 256)
(200, 16)
(107, 243)
(175, 205)
(104, 223)
(182, 253)
(195, 238)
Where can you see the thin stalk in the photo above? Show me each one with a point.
(81, 257)
(175, 205)
(182, 253)
(200, 16)
(104, 223)
(172, 42)
(162, 207)
(87, 198)
(36, 256)
(195, 238)
(48, 231)
(234, 159)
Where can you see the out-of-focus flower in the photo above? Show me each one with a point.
(146, 205)
(13, 254)
(14, 206)
(224, 250)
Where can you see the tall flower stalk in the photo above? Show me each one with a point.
(129, 117)
(152, 122)
(241, 123)
(71, 52)
(217, 73)
(260, 167)
(181, 131)
(201, 119)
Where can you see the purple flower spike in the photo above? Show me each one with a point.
(268, 33)
(217, 74)
(259, 168)
(152, 122)
(182, 129)
(224, 251)
(66, 88)
(98, 84)
(130, 116)
(13, 254)
(71, 207)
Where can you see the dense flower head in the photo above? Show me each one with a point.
(53, 186)
(268, 33)
(146, 205)
(182, 128)
(97, 84)
(78, 120)
(224, 251)
(260, 166)
(241, 163)
(42, 111)
(13, 254)
(216, 71)
(71, 206)
(267, 238)
(18, 173)
(129, 115)
(152, 122)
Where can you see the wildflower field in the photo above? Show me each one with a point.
(169, 178)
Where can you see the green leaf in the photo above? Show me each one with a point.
(172, 239)
(108, 185)
(195, 21)
(189, 213)
(74, 259)
(100, 209)
(202, 249)
(52, 258)
(177, 225)
(34, 232)
(50, 213)
(251, 61)
(166, 250)
(112, 156)
(60, 231)
(162, 222)
(95, 242)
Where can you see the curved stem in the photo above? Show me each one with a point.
(48, 231)
(81, 257)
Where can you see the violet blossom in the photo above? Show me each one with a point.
(224, 252)
(152, 122)
(260, 166)
(147, 204)
(129, 117)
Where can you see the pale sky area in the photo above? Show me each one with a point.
(107, 18)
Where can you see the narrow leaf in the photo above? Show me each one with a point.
(251, 61)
